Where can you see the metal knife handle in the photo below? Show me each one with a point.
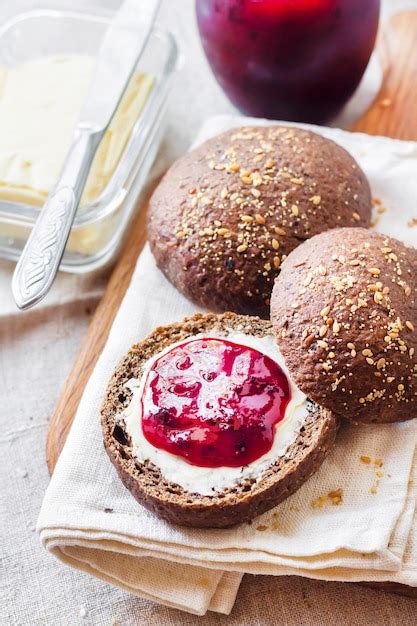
(42, 254)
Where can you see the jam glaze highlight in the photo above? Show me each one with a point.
(214, 402)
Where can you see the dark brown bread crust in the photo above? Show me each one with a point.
(226, 214)
(239, 503)
(344, 310)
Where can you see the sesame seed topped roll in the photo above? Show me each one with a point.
(228, 213)
(344, 310)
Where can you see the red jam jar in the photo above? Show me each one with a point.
(297, 60)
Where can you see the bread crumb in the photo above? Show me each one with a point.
(261, 527)
(365, 459)
(373, 489)
(335, 497)
(319, 502)
(203, 581)
(413, 222)
(378, 462)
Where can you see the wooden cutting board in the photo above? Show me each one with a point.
(394, 114)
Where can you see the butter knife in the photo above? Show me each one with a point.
(122, 46)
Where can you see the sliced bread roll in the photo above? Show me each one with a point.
(243, 499)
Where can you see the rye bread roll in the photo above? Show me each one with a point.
(242, 501)
(228, 213)
(344, 310)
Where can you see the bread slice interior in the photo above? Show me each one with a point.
(240, 502)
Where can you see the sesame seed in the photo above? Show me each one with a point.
(369, 360)
(367, 352)
(248, 219)
(336, 326)
(361, 400)
(325, 311)
(242, 248)
(295, 305)
(411, 352)
(277, 261)
(275, 244)
(280, 231)
(246, 180)
(331, 355)
(351, 346)
(390, 379)
(224, 192)
(233, 167)
(259, 219)
(322, 344)
(308, 279)
(374, 271)
(380, 363)
(316, 200)
(255, 192)
(400, 387)
(323, 330)
(223, 231)
(294, 209)
(378, 297)
(217, 223)
(356, 216)
(409, 325)
(407, 291)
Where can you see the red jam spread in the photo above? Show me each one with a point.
(214, 403)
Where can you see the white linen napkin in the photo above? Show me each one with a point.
(351, 521)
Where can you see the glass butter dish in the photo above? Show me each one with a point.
(101, 218)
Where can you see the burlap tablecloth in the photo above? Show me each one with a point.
(36, 352)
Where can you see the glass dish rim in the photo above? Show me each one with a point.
(114, 193)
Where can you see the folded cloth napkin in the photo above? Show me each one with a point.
(352, 521)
